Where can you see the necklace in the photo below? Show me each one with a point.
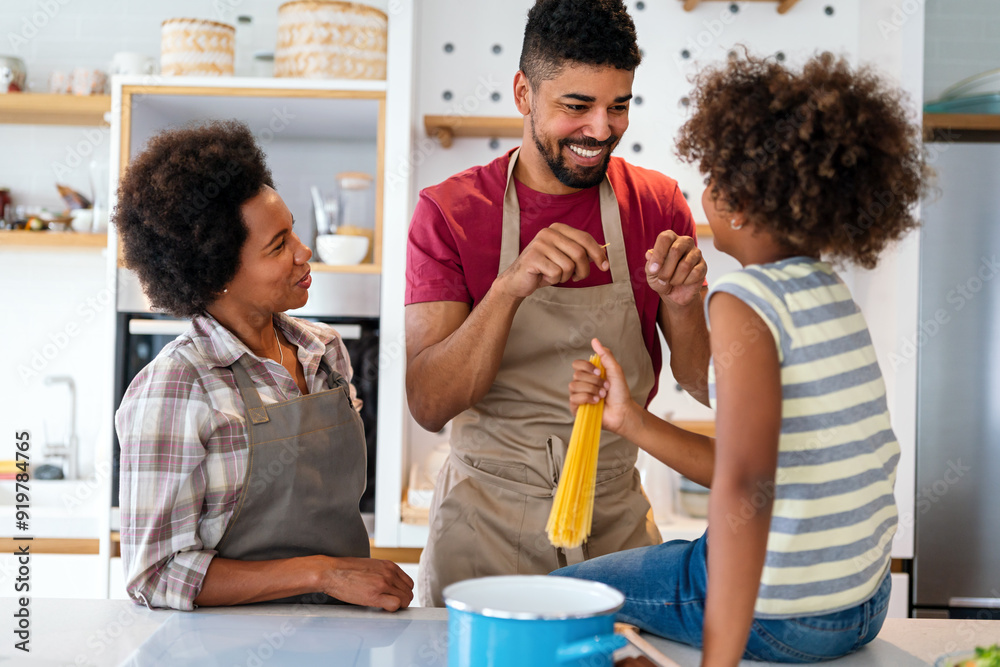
(281, 353)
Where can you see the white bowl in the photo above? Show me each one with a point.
(83, 220)
(341, 249)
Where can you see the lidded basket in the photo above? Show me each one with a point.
(326, 39)
(197, 47)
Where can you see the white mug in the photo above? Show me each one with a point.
(132, 63)
(59, 82)
(84, 81)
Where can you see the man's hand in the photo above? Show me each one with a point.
(675, 268)
(557, 254)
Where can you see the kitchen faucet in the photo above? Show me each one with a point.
(67, 451)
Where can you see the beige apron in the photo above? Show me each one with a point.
(494, 493)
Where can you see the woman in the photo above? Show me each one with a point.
(243, 455)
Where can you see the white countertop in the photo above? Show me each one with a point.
(92, 633)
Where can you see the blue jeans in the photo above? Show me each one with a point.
(664, 587)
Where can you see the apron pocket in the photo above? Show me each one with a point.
(515, 472)
(479, 526)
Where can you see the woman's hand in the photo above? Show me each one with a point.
(369, 582)
(621, 412)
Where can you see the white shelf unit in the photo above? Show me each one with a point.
(310, 130)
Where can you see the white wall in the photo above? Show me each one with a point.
(56, 307)
(43, 293)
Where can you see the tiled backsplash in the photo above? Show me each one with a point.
(961, 41)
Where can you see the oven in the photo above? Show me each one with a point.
(141, 334)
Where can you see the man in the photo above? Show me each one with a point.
(511, 269)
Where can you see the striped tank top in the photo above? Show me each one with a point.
(834, 514)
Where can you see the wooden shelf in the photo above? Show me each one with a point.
(396, 554)
(53, 545)
(961, 127)
(52, 240)
(49, 109)
(702, 427)
(446, 128)
(352, 268)
(703, 230)
(783, 5)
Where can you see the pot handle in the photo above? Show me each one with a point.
(596, 645)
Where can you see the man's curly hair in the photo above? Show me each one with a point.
(178, 212)
(825, 160)
(588, 32)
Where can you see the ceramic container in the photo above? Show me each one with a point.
(13, 74)
(340, 249)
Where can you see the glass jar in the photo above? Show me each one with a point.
(357, 208)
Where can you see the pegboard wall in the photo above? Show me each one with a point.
(467, 54)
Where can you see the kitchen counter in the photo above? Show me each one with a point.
(115, 632)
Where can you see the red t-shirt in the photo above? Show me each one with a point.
(453, 253)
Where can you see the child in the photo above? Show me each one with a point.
(799, 165)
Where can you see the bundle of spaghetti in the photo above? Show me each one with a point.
(573, 508)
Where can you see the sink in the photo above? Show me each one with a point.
(45, 524)
(75, 494)
(57, 508)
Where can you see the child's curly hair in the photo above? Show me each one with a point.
(825, 160)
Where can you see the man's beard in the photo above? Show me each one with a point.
(575, 177)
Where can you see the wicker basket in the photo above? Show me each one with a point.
(320, 39)
(196, 47)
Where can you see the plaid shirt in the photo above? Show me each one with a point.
(184, 449)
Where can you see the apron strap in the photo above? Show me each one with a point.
(510, 239)
(510, 243)
(613, 234)
(255, 407)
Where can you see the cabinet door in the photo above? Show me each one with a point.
(67, 576)
(117, 580)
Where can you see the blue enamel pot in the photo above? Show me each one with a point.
(532, 621)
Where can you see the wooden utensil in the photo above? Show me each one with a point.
(631, 633)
